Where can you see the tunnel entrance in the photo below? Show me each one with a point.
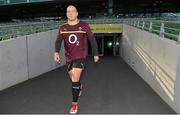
(108, 44)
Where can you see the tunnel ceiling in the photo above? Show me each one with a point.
(87, 7)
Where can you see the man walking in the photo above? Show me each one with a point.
(75, 34)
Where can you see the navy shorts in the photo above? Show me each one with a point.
(79, 63)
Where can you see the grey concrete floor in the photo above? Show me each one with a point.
(110, 87)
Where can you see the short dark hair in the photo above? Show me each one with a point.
(72, 6)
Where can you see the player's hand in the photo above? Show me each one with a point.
(96, 59)
(57, 57)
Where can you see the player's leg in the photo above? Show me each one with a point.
(75, 74)
(74, 106)
(76, 88)
(81, 86)
(77, 69)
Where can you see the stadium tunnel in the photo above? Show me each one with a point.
(108, 44)
(137, 73)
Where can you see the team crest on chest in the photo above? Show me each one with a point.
(80, 28)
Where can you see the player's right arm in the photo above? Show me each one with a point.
(58, 47)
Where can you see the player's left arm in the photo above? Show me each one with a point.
(93, 43)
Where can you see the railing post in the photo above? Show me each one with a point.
(31, 29)
(143, 25)
(131, 22)
(135, 23)
(138, 24)
(179, 37)
(8, 2)
(162, 30)
(43, 26)
(150, 27)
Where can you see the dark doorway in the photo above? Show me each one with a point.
(108, 45)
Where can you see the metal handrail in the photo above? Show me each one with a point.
(162, 29)
(16, 29)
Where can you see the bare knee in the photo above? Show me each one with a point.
(76, 74)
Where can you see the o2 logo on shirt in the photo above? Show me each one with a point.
(73, 39)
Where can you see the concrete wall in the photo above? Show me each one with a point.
(40, 53)
(13, 62)
(27, 57)
(156, 60)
